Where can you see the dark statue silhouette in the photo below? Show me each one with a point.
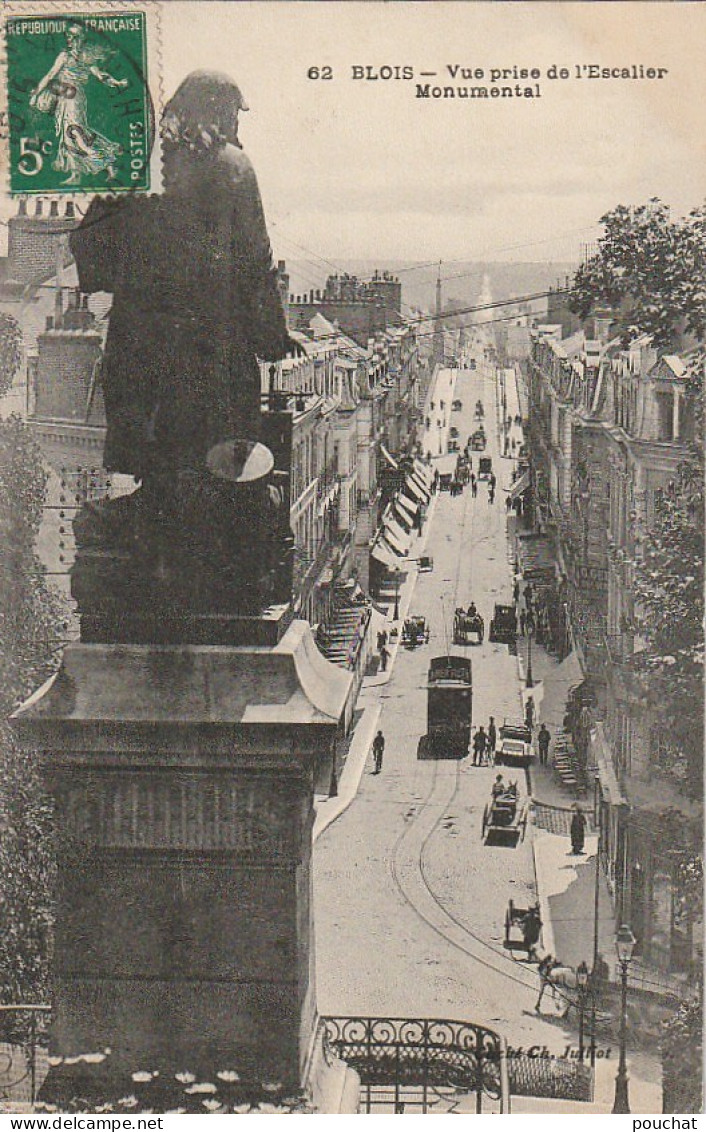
(195, 303)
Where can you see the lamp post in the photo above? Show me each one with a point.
(396, 612)
(624, 946)
(581, 984)
(529, 625)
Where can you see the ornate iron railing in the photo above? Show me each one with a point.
(555, 1078)
(423, 1053)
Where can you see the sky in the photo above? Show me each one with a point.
(364, 169)
(359, 168)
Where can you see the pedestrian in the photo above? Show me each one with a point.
(513, 445)
(384, 657)
(492, 739)
(508, 505)
(378, 751)
(491, 496)
(474, 486)
(528, 595)
(516, 591)
(492, 480)
(578, 831)
(498, 786)
(523, 618)
(480, 740)
(381, 641)
(543, 739)
(529, 713)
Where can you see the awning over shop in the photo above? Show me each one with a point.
(386, 557)
(519, 486)
(390, 459)
(426, 491)
(393, 531)
(421, 470)
(406, 506)
(397, 545)
(414, 491)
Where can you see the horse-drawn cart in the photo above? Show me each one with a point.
(415, 631)
(505, 815)
(467, 624)
(522, 929)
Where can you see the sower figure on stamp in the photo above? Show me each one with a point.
(81, 149)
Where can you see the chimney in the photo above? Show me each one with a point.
(54, 208)
(58, 304)
(70, 212)
(84, 303)
(281, 265)
(311, 295)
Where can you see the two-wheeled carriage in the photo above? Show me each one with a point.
(523, 927)
(415, 631)
(468, 624)
(505, 815)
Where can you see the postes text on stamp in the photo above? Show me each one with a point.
(79, 110)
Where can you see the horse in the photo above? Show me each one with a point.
(557, 978)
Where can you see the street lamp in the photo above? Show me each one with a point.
(581, 983)
(624, 946)
(529, 625)
(396, 613)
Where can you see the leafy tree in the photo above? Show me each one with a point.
(669, 599)
(651, 270)
(30, 619)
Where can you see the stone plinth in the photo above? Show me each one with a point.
(183, 780)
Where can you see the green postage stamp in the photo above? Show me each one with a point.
(79, 110)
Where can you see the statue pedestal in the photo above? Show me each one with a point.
(183, 781)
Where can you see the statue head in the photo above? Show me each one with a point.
(203, 113)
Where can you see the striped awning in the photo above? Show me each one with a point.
(519, 486)
(414, 490)
(386, 557)
(396, 535)
(406, 506)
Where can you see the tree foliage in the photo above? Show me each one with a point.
(30, 625)
(651, 270)
(669, 601)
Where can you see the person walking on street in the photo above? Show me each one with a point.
(529, 713)
(491, 495)
(516, 592)
(474, 485)
(479, 746)
(492, 739)
(384, 657)
(523, 618)
(578, 831)
(543, 742)
(378, 751)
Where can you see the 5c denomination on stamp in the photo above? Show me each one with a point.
(80, 115)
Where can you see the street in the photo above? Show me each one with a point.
(410, 903)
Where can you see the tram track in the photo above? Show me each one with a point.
(409, 873)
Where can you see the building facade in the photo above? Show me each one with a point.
(609, 429)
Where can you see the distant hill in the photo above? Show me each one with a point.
(461, 282)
